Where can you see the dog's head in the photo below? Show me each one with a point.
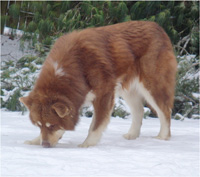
(53, 115)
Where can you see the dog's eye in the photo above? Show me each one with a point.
(51, 126)
(48, 125)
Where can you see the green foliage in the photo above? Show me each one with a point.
(53, 18)
(14, 11)
(13, 102)
(45, 28)
(17, 78)
(187, 84)
(194, 48)
(32, 27)
(47, 41)
(3, 19)
(119, 112)
(122, 11)
(119, 109)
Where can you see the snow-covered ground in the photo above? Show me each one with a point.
(113, 156)
(10, 49)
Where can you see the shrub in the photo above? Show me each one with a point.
(187, 85)
(17, 79)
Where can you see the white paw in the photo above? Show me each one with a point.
(162, 138)
(32, 142)
(83, 145)
(28, 142)
(130, 136)
(86, 145)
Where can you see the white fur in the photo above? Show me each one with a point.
(165, 127)
(48, 124)
(58, 70)
(54, 138)
(35, 141)
(135, 102)
(134, 98)
(92, 139)
(62, 128)
(60, 132)
(88, 99)
(94, 136)
(39, 123)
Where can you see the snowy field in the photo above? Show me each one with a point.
(113, 156)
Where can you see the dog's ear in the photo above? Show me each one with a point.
(61, 109)
(26, 101)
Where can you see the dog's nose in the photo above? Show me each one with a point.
(45, 144)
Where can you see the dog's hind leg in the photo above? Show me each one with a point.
(103, 108)
(135, 103)
(162, 110)
(157, 83)
(35, 141)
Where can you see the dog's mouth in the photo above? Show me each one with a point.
(46, 144)
(52, 139)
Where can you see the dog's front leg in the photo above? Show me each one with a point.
(102, 110)
(35, 141)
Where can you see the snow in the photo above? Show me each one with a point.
(196, 95)
(10, 49)
(178, 117)
(7, 94)
(113, 156)
(9, 31)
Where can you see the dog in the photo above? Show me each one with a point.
(133, 60)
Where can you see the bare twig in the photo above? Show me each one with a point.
(9, 54)
(190, 99)
(179, 47)
(185, 45)
(5, 54)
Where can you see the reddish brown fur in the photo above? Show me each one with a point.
(96, 59)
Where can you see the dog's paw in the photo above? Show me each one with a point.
(32, 142)
(86, 145)
(83, 145)
(28, 142)
(162, 138)
(129, 136)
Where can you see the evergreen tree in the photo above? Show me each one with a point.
(180, 19)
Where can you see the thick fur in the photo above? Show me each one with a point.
(134, 60)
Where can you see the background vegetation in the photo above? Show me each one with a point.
(44, 21)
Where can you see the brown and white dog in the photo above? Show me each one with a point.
(134, 60)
